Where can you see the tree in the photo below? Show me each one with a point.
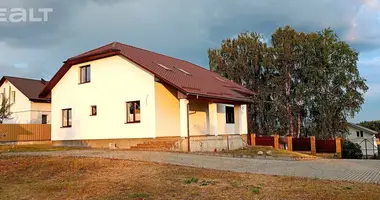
(373, 125)
(5, 108)
(351, 150)
(303, 81)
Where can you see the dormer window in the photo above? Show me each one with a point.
(85, 74)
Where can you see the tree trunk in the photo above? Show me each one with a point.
(299, 126)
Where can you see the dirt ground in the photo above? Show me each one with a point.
(96, 178)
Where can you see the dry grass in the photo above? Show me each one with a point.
(252, 151)
(32, 148)
(95, 178)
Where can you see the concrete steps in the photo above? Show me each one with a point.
(156, 145)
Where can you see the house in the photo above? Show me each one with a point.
(364, 137)
(27, 107)
(121, 96)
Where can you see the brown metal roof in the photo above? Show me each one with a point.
(185, 76)
(29, 87)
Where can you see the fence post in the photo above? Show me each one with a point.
(312, 145)
(290, 143)
(338, 147)
(276, 141)
(253, 139)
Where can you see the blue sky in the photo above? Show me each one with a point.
(183, 29)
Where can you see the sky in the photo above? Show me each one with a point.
(182, 29)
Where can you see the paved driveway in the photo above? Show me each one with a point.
(348, 170)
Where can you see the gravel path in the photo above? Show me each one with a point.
(348, 170)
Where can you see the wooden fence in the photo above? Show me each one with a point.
(301, 144)
(264, 141)
(25, 132)
(325, 146)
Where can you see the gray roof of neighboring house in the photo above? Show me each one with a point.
(367, 130)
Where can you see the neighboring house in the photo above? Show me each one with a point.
(27, 107)
(364, 137)
(122, 96)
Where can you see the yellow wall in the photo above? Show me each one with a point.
(198, 118)
(167, 111)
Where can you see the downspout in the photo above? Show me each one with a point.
(188, 128)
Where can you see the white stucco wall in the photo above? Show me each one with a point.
(371, 143)
(39, 109)
(167, 111)
(114, 81)
(223, 127)
(21, 108)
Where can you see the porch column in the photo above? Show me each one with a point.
(238, 119)
(183, 117)
(213, 119)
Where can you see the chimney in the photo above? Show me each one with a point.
(43, 81)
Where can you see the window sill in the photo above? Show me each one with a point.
(65, 126)
(92, 115)
(84, 83)
(136, 122)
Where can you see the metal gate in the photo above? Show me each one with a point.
(370, 149)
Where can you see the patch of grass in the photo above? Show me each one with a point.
(254, 189)
(30, 177)
(191, 180)
(206, 183)
(138, 195)
(347, 188)
(252, 151)
(235, 184)
(32, 148)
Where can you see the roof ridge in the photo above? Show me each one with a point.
(30, 79)
(79, 55)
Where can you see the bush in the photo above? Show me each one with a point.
(351, 150)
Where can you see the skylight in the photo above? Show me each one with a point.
(220, 79)
(163, 66)
(187, 73)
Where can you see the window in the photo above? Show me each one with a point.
(66, 117)
(133, 112)
(85, 74)
(44, 119)
(230, 116)
(94, 111)
(357, 133)
(361, 133)
(13, 98)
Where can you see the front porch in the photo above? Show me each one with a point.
(212, 125)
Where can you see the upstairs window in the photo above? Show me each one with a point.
(85, 74)
(94, 111)
(359, 134)
(133, 112)
(67, 117)
(13, 97)
(230, 115)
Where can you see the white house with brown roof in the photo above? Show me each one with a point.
(27, 107)
(121, 96)
(364, 137)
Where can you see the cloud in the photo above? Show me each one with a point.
(184, 29)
